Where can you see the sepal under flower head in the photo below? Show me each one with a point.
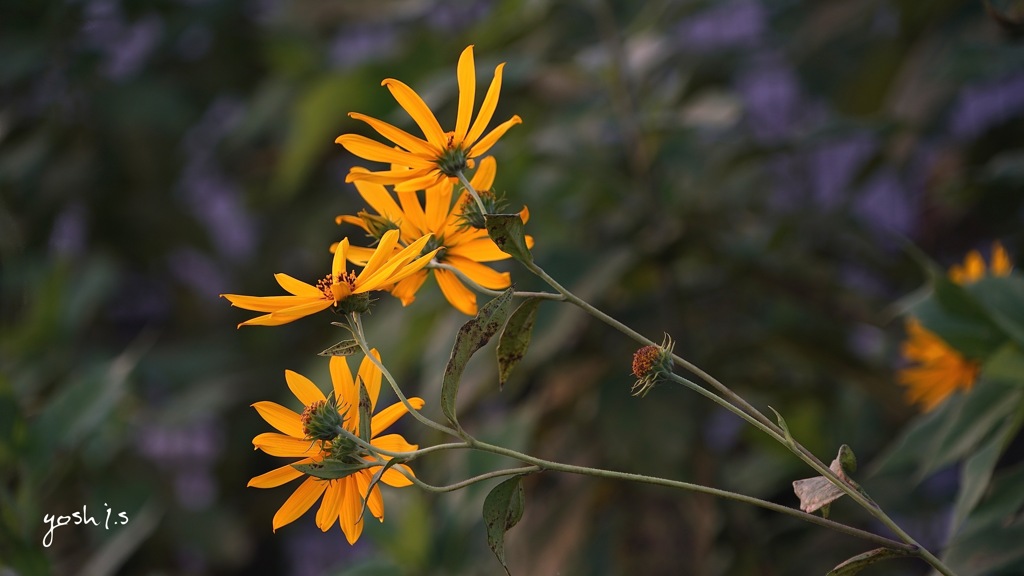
(322, 420)
(650, 364)
(471, 216)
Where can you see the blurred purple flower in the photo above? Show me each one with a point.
(722, 430)
(67, 239)
(885, 204)
(772, 97)
(833, 166)
(125, 46)
(983, 106)
(194, 487)
(738, 24)
(357, 45)
(312, 552)
(199, 272)
(189, 453)
(452, 17)
(214, 199)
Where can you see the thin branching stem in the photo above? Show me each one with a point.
(470, 481)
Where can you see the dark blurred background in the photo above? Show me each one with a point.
(744, 175)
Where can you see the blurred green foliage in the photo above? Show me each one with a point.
(741, 175)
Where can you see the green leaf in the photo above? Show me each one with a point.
(503, 508)
(847, 459)
(861, 561)
(343, 348)
(1006, 365)
(977, 469)
(507, 232)
(471, 337)
(515, 338)
(365, 410)
(783, 425)
(331, 469)
(1003, 299)
(989, 541)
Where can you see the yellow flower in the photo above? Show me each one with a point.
(939, 370)
(460, 246)
(973, 268)
(341, 289)
(421, 164)
(343, 497)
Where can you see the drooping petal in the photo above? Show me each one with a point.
(486, 142)
(461, 298)
(300, 501)
(281, 418)
(413, 211)
(393, 270)
(278, 476)
(386, 417)
(338, 267)
(371, 377)
(351, 505)
(406, 288)
(286, 446)
(467, 93)
(483, 118)
(439, 203)
(374, 501)
(418, 110)
(359, 255)
(480, 273)
(328, 512)
(372, 150)
(378, 197)
(348, 219)
(303, 388)
(407, 141)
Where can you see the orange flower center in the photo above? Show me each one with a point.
(645, 359)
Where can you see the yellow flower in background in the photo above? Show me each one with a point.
(458, 245)
(939, 370)
(343, 497)
(341, 289)
(422, 164)
(973, 268)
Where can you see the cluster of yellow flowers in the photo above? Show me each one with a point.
(938, 369)
(412, 238)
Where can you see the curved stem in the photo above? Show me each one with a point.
(611, 474)
(470, 481)
(472, 191)
(357, 332)
(467, 280)
(751, 414)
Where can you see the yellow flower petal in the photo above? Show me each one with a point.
(1001, 264)
(420, 183)
(439, 202)
(407, 141)
(413, 212)
(303, 388)
(300, 501)
(389, 177)
(359, 255)
(384, 253)
(345, 391)
(374, 501)
(286, 315)
(466, 73)
(371, 376)
(393, 476)
(460, 297)
(486, 142)
(286, 446)
(328, 512)
(351, 505)
(278, 476)
(418, 110)
(372, 150)
(263, 303)
(483, 118)
(386, 417)
(479, 249)
(297, 287)
(479, 273)
(405, 290)
(285, 420)
(483, 178)
(393, 442)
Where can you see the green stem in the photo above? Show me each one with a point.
(752, 415)
(614, 475)
(471, 481)
(357, 333)
(472, 192)
(469, 281)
